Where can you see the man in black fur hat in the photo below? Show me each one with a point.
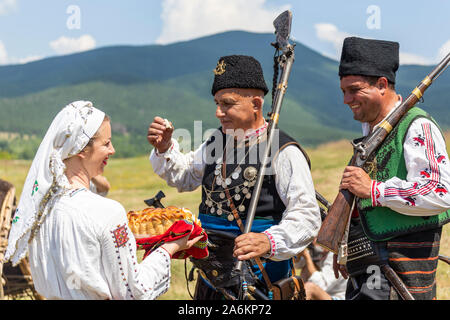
(287, 216)
(402, 194)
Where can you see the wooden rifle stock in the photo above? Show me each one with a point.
(334, 226)
(335, 223)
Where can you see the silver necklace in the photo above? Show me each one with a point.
(241, 191)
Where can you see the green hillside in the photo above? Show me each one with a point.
(135, 83)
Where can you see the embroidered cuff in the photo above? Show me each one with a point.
(377, 193)
(273, 245)
(164, 249)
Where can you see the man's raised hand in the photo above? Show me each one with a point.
(159, 134)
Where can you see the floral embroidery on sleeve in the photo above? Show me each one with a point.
(431, 173)
(120, 235)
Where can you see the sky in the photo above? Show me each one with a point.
(36, 29)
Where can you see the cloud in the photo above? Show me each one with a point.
(6, 59)
(27, 59)
(443, 51)
(186, 20)
(6, 6)
(411, 58)
(3, 54)
(65, 45)
(330, 33)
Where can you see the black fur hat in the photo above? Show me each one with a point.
(367, 57)
(238, 71)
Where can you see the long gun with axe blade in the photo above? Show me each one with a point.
(284, 60)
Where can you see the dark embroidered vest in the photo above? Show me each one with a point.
(215, 212)
(214, 200)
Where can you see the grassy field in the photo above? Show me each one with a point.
(133, 180)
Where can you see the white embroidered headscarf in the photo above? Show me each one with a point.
(68, 134)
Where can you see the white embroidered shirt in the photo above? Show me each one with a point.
(85, 250)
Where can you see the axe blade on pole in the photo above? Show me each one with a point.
(156, 200)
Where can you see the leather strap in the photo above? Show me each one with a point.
(293, 267)
(297, 284)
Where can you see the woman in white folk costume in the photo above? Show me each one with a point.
(79, 243)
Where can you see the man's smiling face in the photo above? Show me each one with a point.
(363, 99)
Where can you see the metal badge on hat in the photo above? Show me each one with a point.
(220, 68)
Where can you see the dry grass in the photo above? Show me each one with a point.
(133, 180)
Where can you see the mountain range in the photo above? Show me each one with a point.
(133, 84)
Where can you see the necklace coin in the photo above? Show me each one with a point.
(250, 173)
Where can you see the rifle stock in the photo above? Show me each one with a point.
(333, 227)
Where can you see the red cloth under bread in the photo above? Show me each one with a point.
(178, 230)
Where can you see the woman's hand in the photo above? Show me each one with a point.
(180, 244)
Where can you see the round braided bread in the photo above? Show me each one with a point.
(151, 222)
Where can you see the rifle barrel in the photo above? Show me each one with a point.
(282, 32)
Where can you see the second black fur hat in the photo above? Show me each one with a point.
(369, 57)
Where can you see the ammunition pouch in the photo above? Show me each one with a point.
(291, 288)
(363, 252)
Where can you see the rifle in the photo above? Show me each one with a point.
(284, 60)
(334, 226)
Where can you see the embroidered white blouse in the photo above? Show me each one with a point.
(425, 192)
(300, 221)
(85, 250)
